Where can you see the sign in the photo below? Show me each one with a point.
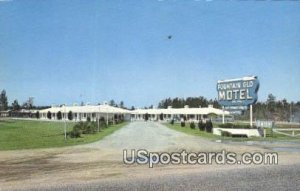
(237, 108)
(265, 124)
(240, 92)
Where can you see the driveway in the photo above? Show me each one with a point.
(154, 136)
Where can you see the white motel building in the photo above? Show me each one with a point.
(191, 114)
(94, 112)
(82, 113)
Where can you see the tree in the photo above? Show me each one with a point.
(3, 101)
(121, 104)
(49, 115)
(181, 102)
(209, 126)
(15, 105)
(70, 115)
(271, 102)
(29, 103)
(112, 102)
(132, 108)
(285, 103)
(59, 116)
(37, 114)
(271, 98)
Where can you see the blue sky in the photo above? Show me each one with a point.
(93, 51)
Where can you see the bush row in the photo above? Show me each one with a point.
(207, 126)
(236, 126)
(87, 127)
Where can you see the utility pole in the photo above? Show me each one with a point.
(98, 118)
(65, 125)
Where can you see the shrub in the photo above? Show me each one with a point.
(59, 115)
(225, 134)
(89, 128)
(201, 125)
(88, 119)
(102, 122)
(110, 122)
(192, 125)
(83, 128)
(172, 122)
(49, 115)
(208, 126)
(146, 117)
(226, 125)
(70, 115)
(161, 116)
(239, 135)
(76, 132)
(236, 126)
(182, 124)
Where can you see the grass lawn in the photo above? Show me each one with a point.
(28, 134)
(197, 132)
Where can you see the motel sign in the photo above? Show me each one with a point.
(238, 93)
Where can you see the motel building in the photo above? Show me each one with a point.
(110, 113)
(186, 113)
(82, 113)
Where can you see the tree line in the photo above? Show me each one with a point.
(190, 101)
(29, 104)
(274, 109)
(15, 106)
(271, 109)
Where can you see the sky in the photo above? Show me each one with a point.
(65, 52)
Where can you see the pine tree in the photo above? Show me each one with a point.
(3, 101)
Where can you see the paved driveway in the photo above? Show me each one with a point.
(154, 136)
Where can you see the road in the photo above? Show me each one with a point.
(99, 165)
(263, 178)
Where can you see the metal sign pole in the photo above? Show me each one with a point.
(223, 115)
(251, 115)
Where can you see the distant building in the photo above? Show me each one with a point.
(190, 114)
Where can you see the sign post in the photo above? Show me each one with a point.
(251, 115)
(223, 115)
(65, 124)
